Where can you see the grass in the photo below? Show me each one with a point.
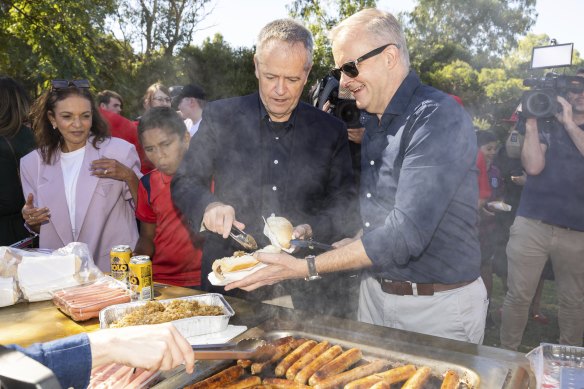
(535, 333)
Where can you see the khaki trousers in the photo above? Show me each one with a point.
(530, 245)
(454, 314)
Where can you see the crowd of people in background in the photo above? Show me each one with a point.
(428, 238)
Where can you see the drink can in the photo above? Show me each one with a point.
(119, 261)
(140, 277)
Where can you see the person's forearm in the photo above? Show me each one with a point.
(133, 181)
(144, 247)
(532, 154)
(351, 256)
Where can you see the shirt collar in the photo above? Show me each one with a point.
(397, 106)
(265, 116)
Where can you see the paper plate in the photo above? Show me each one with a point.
(234, 276)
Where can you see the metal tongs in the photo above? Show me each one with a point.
(311, 244)
(250, 348)
(244, 239)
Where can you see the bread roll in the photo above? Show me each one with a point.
(279, 231)
(231, 264)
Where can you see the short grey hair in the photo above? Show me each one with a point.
(382, 26)
(286, 30)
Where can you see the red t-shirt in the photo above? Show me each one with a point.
(177, 257)
(123, 128)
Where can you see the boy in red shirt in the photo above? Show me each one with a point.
(175, 253)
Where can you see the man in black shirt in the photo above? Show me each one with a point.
(269, 153)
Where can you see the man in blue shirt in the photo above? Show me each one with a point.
(550, 221)
(419, 194)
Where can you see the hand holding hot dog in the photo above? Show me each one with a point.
(281, 267)
(152, 347)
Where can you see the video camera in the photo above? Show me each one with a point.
(541, 101)
(343, 108)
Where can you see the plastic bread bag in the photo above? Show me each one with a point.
(37, 272)
(9, 293)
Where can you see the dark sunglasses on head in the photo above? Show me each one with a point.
(350, 68)
(64, 84)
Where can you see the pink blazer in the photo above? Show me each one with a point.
(104, 208)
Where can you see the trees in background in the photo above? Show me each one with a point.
(478, 49)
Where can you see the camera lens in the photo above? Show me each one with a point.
(540, 103)
(348, 112)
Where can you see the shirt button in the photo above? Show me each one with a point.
(277, 138)
(371, 163)
(367, 224)
(274, 188)
(368, 195)
(275, 161)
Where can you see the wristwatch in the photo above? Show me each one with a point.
(312, 273)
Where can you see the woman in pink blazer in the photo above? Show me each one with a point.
(80, 184)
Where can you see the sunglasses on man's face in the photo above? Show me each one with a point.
(64, 84)
(576, 90)
(350, 68)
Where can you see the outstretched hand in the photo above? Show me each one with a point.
(280, 267)
(34, 216)
(151, 347)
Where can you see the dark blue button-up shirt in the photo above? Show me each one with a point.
(422, 225)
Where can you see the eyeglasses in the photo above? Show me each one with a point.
(350, 68)
(64, 84)
(162, 99)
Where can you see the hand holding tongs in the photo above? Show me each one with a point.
(244, 239)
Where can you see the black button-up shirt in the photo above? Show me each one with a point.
(421, 228)
(275, 150)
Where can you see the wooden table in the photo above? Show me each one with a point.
(28, 323)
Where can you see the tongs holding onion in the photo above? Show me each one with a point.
(243, 238)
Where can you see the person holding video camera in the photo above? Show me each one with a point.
(550, 220)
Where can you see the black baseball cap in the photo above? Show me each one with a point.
(190, 90)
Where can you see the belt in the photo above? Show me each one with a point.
(407, 288)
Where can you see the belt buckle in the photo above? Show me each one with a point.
(414, 288)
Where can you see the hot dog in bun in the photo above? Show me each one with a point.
(239, 261)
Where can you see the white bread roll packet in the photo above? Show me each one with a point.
(279, 231)
(237, 267)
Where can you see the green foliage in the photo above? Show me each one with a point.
(476, 49)
(222, 70)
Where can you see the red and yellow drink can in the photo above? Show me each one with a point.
(119, 262)
(140, 277)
